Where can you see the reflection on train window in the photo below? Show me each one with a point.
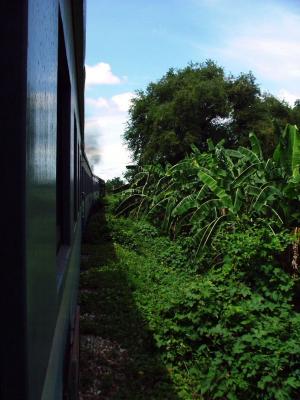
(63, 145)
(76, 165)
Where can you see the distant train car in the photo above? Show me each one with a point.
(47, 190)
(92, 187)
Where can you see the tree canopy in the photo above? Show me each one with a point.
(188, 106)
(113, 184)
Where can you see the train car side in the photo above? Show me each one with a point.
(49, 189)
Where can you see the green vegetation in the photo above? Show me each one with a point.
(222, 331)
(223, 307)
(119, 359)
(203, 288)
(222, 186)
(113, 184)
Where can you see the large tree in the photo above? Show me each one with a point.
(190, 105)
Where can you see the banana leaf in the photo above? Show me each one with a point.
(287, 152)
(249, 155)
(255, 144)
(204, 209)
(245, 174)
(185, 205)
(208, 231)
(215, 188)
(268, 193)
(238, 201)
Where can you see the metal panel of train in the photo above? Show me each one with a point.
(47, 191)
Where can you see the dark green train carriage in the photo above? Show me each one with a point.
(47, 189)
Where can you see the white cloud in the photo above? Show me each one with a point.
(271, 58)
(289, 97)
(101, 102)
(100, 74)
(120, 102)
(103, 134)
(264, 38)
(123, 100)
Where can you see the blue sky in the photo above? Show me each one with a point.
(131, 43)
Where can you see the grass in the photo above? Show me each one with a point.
(119, 358)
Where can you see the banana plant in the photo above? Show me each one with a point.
(207, 189)
(287, 152)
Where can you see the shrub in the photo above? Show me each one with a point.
(224, 322)
(234, 327)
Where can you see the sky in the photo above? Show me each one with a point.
(130, 43)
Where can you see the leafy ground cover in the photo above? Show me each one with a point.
(158, 323)
(119, 359)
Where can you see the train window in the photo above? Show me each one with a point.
(78, 181)
(75, 171)
(63, 144)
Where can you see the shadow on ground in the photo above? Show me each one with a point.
(119, 359)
